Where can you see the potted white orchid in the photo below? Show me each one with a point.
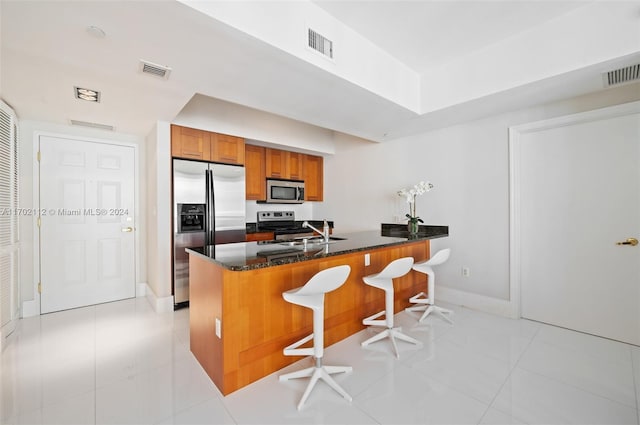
(410, 195)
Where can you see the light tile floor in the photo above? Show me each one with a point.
(121, 363)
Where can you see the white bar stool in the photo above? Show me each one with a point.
(384, 281)
(427, 302)
(311, 295)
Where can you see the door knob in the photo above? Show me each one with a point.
(130, 229)
(629, 241)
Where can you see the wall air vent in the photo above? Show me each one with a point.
(320, 43)
(155, 69)
(92, 125)
(623, 75)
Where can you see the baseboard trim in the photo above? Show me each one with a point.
(159, 304)
(30, 309)
(476, 302)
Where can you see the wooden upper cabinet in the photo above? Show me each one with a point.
(313, 178)
(296, 166)
(190, 143)
(277, 163)
(256, 185)
(227, 149)
(282, 164)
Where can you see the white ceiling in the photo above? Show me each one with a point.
(424, 34)
(46, 51)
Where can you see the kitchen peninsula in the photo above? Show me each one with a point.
(239, 322)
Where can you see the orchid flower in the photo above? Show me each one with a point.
(410, 194)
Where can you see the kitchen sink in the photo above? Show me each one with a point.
(312, 241)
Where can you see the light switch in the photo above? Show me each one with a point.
(367, 259)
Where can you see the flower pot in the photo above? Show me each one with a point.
(413, 227)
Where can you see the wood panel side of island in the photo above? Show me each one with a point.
(205, 305)
(257, 323)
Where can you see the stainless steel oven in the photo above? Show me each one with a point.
(283, 224)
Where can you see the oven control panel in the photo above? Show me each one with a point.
(275, 216)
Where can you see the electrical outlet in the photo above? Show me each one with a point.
(465, 271)
(367, 259)
(218, 328)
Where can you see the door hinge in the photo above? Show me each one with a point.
(39, 221)
(38, 156)
(39, 288)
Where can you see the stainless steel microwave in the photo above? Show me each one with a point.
(285, 191)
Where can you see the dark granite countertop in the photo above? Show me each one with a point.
(245, 256)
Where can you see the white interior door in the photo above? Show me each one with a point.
(87, 223)
(580, 195)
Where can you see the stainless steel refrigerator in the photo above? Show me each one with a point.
(208, 209)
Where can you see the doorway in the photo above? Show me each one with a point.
(576, 213)
(87, 210)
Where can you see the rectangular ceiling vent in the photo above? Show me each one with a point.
(320, 43)
(622, 75)
(154, 69)
(93, 125)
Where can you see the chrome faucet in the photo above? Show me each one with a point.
(325, 229)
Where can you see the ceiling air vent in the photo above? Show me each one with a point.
(154, 69)
(622, 75)
(93, 125)
(320, 43)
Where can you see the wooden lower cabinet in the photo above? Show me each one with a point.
(257, 323)
(260, 236)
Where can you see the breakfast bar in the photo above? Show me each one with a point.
(239, 322)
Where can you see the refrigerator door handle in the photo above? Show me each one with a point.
(209, 221)
(212, 208)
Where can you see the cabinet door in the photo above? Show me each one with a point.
(277, 163)
(190, 143)
(256, 185)
(227, 149)
(296, 166)
(260, 236)
(313, 178)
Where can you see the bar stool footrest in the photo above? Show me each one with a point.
(370, 321)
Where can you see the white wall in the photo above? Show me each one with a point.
(28, 192)
(468, 164)
(158, 215)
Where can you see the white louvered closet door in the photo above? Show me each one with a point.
(9, 237)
